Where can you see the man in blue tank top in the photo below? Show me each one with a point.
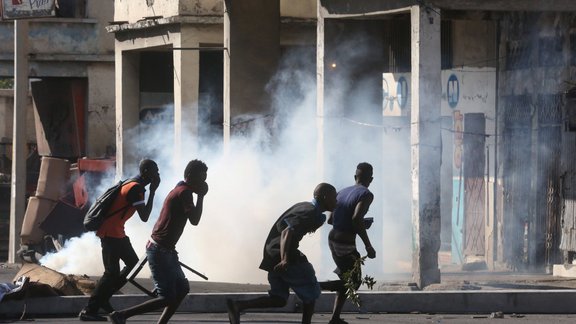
(348, 221)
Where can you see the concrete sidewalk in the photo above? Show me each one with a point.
(451, 302)
(459, 293)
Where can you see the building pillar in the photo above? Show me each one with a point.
(19, 139)
(127, 110)
(186, 87)
(320, 78)
(426, 143)
(252, 40)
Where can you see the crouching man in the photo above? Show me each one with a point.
(287, 267)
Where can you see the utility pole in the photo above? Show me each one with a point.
(18, 180)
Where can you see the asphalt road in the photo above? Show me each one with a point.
(275, 318)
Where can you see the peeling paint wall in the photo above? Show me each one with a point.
(298, 8)
(6, 117)
(101, 114)
(102, 11)
(474, 43)
(61, 37)
(132, 11)
(80, 35)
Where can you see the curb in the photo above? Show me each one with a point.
(455, 302)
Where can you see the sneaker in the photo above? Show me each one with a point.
(90, 317)
(117, 318)
(233, 312)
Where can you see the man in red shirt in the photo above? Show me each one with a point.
(115, 244)
(169, 280)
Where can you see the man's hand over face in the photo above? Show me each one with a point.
(155, 183)
(202, 189)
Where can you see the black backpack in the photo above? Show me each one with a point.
(99, 211)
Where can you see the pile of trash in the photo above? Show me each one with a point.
(34, 280)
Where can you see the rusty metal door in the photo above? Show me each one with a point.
(474, 186)
(516, 153)
(568, 171)
(545, 233)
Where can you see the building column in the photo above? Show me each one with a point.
(320, 78)
(426, 143)
(252, 40)
(186, 87)
(127, 110)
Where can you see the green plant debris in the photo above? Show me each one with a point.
(353, 277)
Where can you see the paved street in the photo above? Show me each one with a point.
(531, 295)
(275, 318)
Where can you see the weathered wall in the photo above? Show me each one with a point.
(7, 116)
(71, 47)
(368, 6)
(101, 113)
(102, 11)
(474, 43)
(132, 11)
(66, 36)
(298, 8)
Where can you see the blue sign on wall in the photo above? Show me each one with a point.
(402, 92)
(453, 91)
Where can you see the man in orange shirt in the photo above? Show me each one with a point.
(115, 244)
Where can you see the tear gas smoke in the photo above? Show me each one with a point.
(252, 184)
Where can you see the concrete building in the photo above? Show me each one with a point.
(70, 64)
(464, 101)
(172, 64)
(441, 84)
(495, 128)
(74, 45)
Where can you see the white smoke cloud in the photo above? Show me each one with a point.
(81, 255)
(252, 184)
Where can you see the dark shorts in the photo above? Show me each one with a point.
(169, 279)
(301, 277)
(345, 262)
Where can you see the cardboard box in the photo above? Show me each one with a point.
(60, 282)
(36, 212)
(54, 174)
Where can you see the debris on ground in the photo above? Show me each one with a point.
(63, 285)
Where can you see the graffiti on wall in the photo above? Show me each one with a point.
(15, 9)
